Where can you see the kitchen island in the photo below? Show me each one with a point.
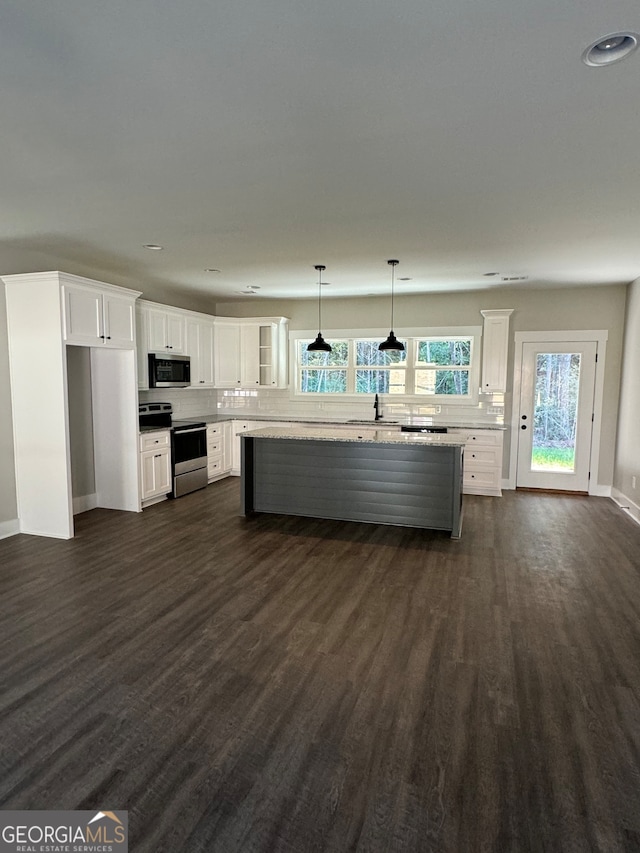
(379, 476)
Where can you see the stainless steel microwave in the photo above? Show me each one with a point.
(169, 371)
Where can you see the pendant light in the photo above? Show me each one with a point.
(392, 343)
(319, 345)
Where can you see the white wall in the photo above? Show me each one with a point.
(628, 440)
(8, 504)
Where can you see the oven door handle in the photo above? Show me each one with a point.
(185, 431)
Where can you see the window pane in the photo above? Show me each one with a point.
(444, 352)
(367, 353)
(380, 381)
(555, 416)
(338, 356)
(442, 382)
(323, 381)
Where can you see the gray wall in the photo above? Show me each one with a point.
(628, 443)
(83, 481)
(534, 310)
(8, 506)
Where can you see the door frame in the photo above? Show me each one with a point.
(600, 336)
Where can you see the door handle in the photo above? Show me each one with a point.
(524, 426)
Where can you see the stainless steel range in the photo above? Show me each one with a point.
(188, 446)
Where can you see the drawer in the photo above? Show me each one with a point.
(214, 448)
(214, 467)
(486, 480)
(488, 437)
(214, 431)
(154, 440)
(481, 457)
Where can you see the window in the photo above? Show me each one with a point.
(379, 372)
(323, 372)
(443, 366)
(439, 366)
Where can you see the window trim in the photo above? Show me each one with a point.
(411, 335)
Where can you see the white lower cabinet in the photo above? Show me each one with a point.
(218, 450)
(238, 428)
(155, 466)
(482, 474)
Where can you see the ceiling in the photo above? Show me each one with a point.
(261, 137)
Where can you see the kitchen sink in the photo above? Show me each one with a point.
(372, 422)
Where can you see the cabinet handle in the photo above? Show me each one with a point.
(108, 337)
(102, 336)
(157, 455)
(202, 381)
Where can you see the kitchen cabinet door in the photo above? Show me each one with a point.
(250, 355)
(495, 350)
(155, 473)
(200, 348)
(227, 355)
(97, 318)
(166, 331)
(119, 321)
(83, 316)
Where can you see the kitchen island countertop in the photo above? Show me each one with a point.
(409, 420)
(358, 434)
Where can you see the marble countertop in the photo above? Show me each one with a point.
(454, 423)
(362, 436)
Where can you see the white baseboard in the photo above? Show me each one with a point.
(596, 491)
(626, 505)
(9, 528)
(84, 503)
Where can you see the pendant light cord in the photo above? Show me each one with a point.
(320, 267)
(393, 265)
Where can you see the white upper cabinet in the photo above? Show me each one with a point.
(227, 354)
(251, 352)
(97, 316)
(166, 330)
(250, 355)
(200, 336)
(495, 350)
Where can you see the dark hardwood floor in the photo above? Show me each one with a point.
(284, 684)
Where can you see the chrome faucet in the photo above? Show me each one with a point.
(376, 406)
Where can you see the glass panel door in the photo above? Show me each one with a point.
(555, 414)
(556, 405)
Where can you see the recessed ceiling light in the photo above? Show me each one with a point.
(247, 292)
(254, 286)
(153, 246)
(211, 269)
(515, 277)
(404, 279)
(610, 49)
(325, 283)
(490, 273)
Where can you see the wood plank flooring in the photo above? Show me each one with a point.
(283, 684)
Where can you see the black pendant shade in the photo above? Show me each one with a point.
(392, 343)
(319, 345)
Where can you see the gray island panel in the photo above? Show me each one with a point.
(409, 484)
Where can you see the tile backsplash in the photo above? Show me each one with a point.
(189, 402)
